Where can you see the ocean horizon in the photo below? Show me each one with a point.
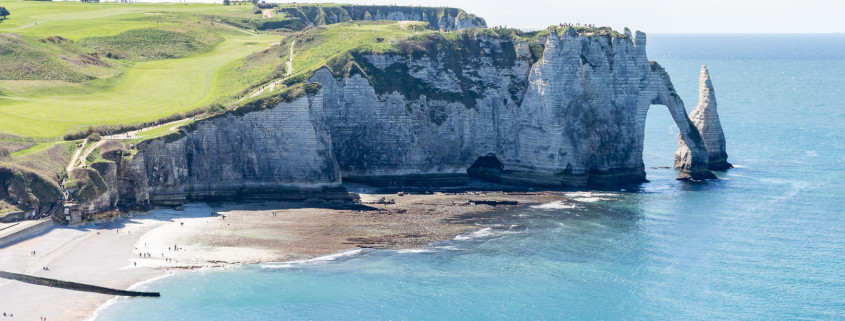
(763, 242)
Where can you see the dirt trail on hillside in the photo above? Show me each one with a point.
(88, 152)
(75, 157)
(273, 85)
(289, 63)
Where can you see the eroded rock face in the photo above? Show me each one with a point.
(576, 117)
(705, 117)
(279, 153)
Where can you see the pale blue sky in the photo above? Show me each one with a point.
(652, 16)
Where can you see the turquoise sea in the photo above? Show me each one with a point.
(766, 241)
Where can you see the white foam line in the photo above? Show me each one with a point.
(319, 259)
(590, 199)
(415, 251)
(482, 233)
(116, 299)
(556, 205)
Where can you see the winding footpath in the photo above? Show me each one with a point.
(75, 157)
(289, 63)
(272, 85)
(134, 134)
(88, 152)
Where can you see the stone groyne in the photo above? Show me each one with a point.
(72, 285)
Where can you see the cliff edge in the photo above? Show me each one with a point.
(566, 108)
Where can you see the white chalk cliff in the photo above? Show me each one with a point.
(705, 117)
(485, 109)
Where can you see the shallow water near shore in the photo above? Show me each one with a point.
(765, 241)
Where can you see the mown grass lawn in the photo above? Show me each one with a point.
(76, 20)
(140, 90)
(316, 47)
(145, 91)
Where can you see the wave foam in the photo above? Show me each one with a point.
(590, 197)
(314, 260)
(114, 300)
(556, 205)
(415, 251)
(485, 232)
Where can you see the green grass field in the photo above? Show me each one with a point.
(70, 70)
(76, 20)
(317, 46)
(84, 64)
(146, 91)
(143, 90)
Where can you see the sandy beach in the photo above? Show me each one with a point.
(114, 254)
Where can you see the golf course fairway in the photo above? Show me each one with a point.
(147, 91)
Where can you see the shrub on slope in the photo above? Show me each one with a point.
(153, 44)
(23, 59)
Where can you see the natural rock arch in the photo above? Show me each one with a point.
(694, 163)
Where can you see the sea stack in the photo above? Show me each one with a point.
(706, 119)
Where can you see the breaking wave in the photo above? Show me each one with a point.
(314, 260)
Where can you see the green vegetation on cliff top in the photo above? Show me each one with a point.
(73, 65)
(72, 68)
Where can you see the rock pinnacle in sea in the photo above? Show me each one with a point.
(706, 119)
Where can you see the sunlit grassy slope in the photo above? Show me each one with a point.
(76, 20)
(143, 90)
(317, 46)
(132, 82)
(147, 91)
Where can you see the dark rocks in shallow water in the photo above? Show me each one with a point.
(494, 203)
(697, 177)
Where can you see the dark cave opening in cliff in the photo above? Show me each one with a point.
(485, 167)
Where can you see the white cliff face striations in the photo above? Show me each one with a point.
(705, 117)
(575, 117)
(278, 153)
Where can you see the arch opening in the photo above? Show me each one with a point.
(660, 141)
